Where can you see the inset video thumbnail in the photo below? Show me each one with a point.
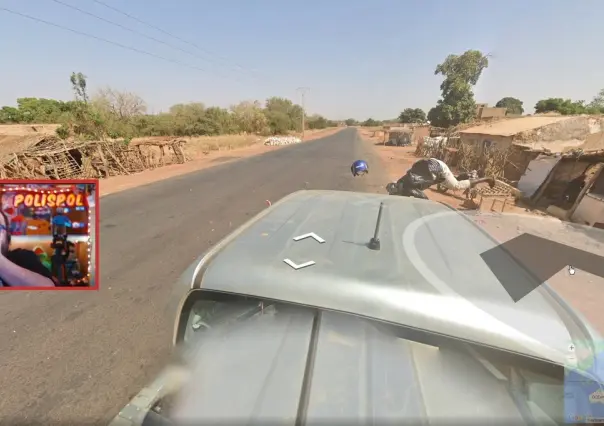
(48, 234)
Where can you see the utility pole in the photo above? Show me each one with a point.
(303, 91)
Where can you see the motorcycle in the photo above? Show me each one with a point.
(391, 188)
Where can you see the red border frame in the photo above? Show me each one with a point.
(97, 223)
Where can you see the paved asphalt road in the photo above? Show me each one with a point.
(78, 357)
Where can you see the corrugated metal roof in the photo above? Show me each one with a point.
(510, 127)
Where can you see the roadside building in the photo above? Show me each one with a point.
(485, 112)
(405, 134)
(525, 138)
(420, 132)
(573, 187)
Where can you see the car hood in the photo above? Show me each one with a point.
(428, 274)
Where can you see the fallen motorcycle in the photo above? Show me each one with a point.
(394, 189)
(391, 188)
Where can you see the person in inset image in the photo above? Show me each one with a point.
(72, 263)
(20, 267)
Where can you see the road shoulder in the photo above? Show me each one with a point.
(213, 158)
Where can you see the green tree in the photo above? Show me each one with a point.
(597, 104)
(85, 121)
(370, 122)
(79, 84)
(434, 116)
(412, 115)
(10, 115)
(317, 122)
(513, 105)
(560, 105)
(121, 105)
(119, 114)
(217, 121)
(279, 122)
(249, 117)
(351, 122)
(283, 115)
(461, 73)
(37, 110)
(186, 119)
(192, 110)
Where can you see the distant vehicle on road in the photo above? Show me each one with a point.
(333, 307)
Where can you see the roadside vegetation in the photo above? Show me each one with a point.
(123, 115)
(457, 104)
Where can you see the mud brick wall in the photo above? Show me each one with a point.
(577, 128)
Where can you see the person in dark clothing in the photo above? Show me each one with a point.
(573, 189)
(72, 265)
(20, 267)
(428, 172)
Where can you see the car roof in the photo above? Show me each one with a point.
(428, 273)
(309, 366)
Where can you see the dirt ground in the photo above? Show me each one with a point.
(398, 159)
(27, 129)
(203, 158)
(583, 290)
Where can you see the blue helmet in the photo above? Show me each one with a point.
(359, 167)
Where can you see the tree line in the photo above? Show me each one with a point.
(457, 105)
(115, 114)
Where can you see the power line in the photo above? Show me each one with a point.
(120, 45)
(123, 46)
(100, 18)
(115, 9)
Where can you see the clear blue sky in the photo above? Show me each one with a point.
(360, 58)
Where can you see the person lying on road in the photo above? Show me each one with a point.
(428, 172)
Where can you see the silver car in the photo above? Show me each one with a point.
(310, 314)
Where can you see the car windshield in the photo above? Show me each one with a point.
(262, 350)
(214, 310)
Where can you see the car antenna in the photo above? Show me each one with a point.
(374, 243)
